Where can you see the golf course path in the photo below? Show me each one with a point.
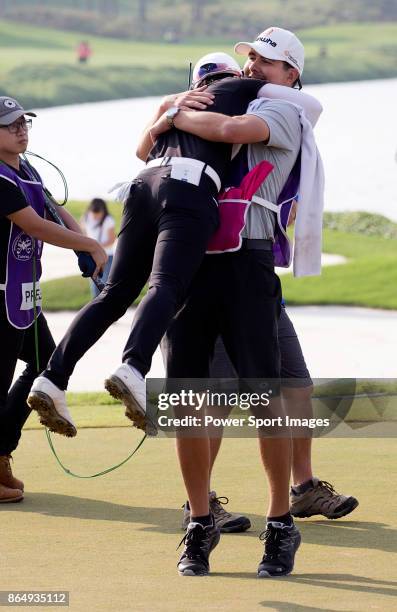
(337, 341)
(58, 263)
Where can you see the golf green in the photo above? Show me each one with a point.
(111, 541)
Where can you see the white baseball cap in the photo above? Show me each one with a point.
(214, 63)
(277, 44)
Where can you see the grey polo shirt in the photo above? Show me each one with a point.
(281, 150)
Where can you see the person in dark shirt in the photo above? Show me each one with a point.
(237, 295)
(231, 97)
(168, 218)
(22, 232)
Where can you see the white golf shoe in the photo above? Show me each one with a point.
(50, 403)
(128, 387)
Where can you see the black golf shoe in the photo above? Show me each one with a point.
(199, 541)
(281, 544)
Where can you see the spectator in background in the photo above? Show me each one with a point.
(97, 223)
(84, 52)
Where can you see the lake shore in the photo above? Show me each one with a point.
(38, 65)
(95, 152)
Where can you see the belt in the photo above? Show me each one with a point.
(252, 244)
(187, 161)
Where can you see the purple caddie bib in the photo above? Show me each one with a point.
(282, 247)
(22, 249)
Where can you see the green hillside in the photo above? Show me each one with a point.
(39, 65)
(182, 20)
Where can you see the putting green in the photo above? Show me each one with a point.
(111, 541)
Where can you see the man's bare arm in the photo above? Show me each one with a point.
(145, 143)
(244, 129)
(48, 231)
(69, 221)
(192, 99)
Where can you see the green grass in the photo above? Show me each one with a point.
(358, 222)
(354, 51)
(38, 65)
(369, 278)
(97, 538)
(23, 44)
(90, 410)
(73, 292)
(374, 401)
(77, 209)
(69, 293)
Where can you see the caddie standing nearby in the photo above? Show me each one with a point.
(23, 229)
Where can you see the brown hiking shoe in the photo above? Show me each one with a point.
(8, 495)
(227, 522)
(321, 498)
(6, 476)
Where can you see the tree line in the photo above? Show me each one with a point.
(175, 20)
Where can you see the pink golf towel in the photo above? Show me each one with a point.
(233, 206)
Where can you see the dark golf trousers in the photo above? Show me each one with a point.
(18, 344)
(235, 296)
(165, 229)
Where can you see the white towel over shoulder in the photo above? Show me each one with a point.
(309, 215)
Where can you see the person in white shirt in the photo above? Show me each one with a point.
(98, 224)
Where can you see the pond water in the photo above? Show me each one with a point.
(94, 144)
